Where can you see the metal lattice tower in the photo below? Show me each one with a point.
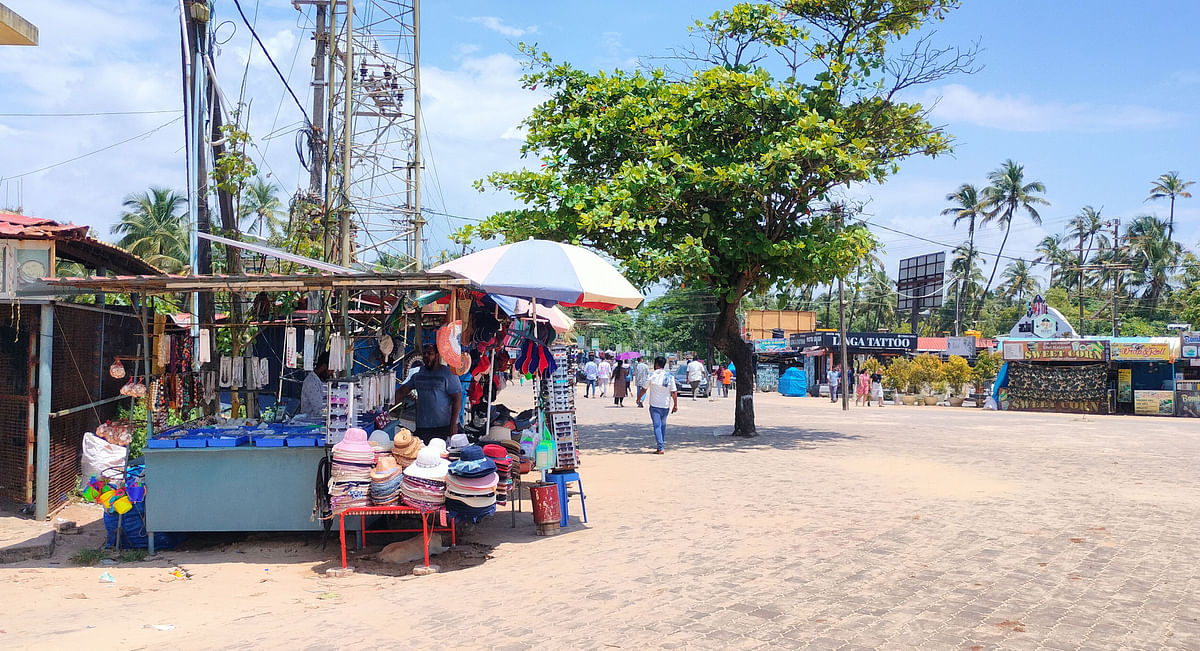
(383, 121)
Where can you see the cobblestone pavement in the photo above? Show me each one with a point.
(895, 527)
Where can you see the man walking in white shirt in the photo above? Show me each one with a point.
(641, 375)
(604, 377)
(695, 373)
(662, 394)
(591, 371)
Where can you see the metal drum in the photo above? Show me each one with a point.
(546, 514)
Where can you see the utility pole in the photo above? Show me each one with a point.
(316, 155)
(1116, 226)
(346, 211)
(1079, 248)
(418, 218)
(842, 343)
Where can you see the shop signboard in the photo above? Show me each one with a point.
(880, 341)
(1055, 351)
(1189, 345)
(1057, 406)
(1041, 321)
(1187, 398)
(961, 346)
(1140, 351)
(872, 341)
(1154, 403)
(1124, 385)
(770, 345)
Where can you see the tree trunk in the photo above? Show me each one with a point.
(983, 298)
(727, 337)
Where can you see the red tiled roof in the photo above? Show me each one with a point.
(931, 343)
(24, 227)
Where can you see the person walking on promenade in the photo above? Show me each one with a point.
(876, 388)
(641, 375)
(695, 373)
(604, 377)
(591, 371)
(620, 383)
(726, 381)
(863, 390)
(835, 382)
(663, 396)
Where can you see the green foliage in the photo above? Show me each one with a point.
(924, 371)
(233, 168)
(898, 375)
(154, 227)
(88, 557)
(987, 365)
(956, 372)
(724, 177)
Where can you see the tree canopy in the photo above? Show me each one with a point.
(725, 176)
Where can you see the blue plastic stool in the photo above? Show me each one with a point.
(561, 479)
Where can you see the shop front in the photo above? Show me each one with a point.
(823, 349)
(1187, 376)
(1054, 375)
(1145, 375)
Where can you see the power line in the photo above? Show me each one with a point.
(83, 115)
(307, 119)
(90, 153)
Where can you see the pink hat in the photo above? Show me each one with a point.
(355, 441)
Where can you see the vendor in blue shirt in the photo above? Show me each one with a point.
(439, 396)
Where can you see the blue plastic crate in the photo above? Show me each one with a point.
(301, 441)
(192, 442)
(270, 441)
(161, 443)
(227, 441)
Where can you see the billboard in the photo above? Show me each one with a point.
(920, 281)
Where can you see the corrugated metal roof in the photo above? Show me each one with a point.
(23, 227)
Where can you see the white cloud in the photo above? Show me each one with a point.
(500, 27)
(956, 104)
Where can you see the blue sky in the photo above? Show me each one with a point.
(1094, 99)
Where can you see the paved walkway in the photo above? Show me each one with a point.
(900, 527)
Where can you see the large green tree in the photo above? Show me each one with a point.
(154, 227)
(725, 177)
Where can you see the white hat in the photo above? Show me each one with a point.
(429, 465)
(437, 444)
(459, 441)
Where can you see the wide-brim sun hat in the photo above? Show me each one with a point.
(473, 485)
(472, 462)
(355, 441)
(429, 465)
(381, 438)
(385, 469)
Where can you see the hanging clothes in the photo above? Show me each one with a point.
(337, 353)
(238, 374)
(226, 366)
(310, 348)
(204, 346)
(289, 347)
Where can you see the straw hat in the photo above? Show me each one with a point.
(405, 444)
(386, 468)
(429, 465)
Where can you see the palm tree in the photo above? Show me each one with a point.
(967, 208)
(1019, 280)
(880, 299)
(1151, 256)
(1169, 186)
(155, 228)
(1008, 194)
(1052, 253)
(1085, 226)
(261, 210)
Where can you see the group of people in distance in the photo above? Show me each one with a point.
(867, 386)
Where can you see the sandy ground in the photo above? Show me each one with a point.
(784, 540)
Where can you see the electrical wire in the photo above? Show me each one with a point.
(90, 153)
(307, 119)
(85, 115)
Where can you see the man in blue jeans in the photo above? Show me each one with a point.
(662, 394)
(591, 370)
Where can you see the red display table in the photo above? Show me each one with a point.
(427, 526)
